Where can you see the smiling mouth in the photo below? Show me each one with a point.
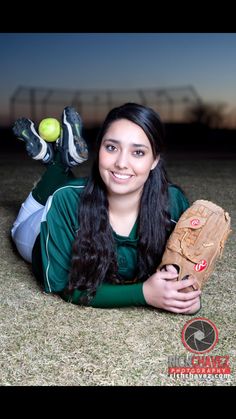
(121, 176)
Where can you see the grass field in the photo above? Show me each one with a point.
(47, 342)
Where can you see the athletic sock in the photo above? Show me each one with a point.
(56, 175)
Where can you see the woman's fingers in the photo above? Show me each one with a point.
(166, 275)
(182, 306)
(170, 268)
(191, 281)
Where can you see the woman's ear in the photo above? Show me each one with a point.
(154, 164)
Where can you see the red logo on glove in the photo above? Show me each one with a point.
(201, 265)
(195, 222)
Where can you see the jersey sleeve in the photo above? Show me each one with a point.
(111, 296)
(58, 230)
(178, 203)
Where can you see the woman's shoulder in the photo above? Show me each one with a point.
(80, 181)
(178, 202)
(73, 187)
(67, 196)
(65, 200)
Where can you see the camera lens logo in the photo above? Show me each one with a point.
(199, 335)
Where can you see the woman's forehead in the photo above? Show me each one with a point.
(124, 130)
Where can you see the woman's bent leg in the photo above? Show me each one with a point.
(27, 227)
(25, 234)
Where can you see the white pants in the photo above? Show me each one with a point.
(27, 227)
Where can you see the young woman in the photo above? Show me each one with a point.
(99, 241)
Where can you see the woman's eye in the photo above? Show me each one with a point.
(110, 147)
(139, 153)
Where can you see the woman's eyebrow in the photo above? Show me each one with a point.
(119, 142)
(139, 145)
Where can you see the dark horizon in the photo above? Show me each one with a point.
(179, 137)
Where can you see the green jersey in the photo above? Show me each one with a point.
(52, 253)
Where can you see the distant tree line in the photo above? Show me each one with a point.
(211, 116)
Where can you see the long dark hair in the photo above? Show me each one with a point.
(93, 258)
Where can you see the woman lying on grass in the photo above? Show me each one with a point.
(98, 241)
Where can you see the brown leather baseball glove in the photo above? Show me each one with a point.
(197, 241)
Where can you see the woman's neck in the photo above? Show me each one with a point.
(123, 212)
(124, 204)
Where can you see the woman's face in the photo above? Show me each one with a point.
(125, 158)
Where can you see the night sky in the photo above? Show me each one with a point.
(120, 61)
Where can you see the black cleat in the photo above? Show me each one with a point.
(72, 146)
(36, 147)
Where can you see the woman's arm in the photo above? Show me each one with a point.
(111, 296)
(159, 291)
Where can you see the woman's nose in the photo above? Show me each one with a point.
(122, 160)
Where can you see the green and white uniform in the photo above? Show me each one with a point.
(52, 252)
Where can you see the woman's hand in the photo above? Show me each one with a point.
(162, 290)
